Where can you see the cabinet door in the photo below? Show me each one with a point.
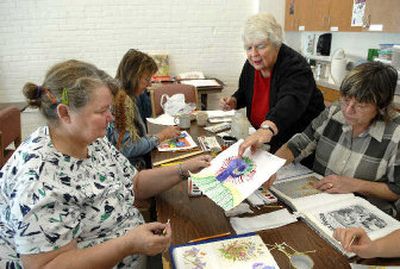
(383, 12)
(291, 10)
(340, 13)
(318, 19)
(297, 14)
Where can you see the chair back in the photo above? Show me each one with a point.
(170, 89)
(10, 132)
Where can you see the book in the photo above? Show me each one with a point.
(201, 82)
(325, 212)
(239, 251)
(209, 143)
(183, 142)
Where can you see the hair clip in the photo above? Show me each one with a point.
(50, 95)
(64, 97)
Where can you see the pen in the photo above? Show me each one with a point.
(164, 232)
(210, 237)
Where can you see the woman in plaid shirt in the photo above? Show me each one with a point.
(356, 140)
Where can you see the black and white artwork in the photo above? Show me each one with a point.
(352, 216)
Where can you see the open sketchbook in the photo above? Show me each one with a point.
(230, 179)
(325, 212)
(182, 142)
(241, 252)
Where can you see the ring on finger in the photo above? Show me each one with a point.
(330, 186)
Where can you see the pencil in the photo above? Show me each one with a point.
(353, 238)
(273, 206)
(210, 237)
(187, 155)
(164, 232)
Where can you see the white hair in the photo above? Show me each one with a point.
(260, 27)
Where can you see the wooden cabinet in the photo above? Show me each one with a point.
(340, 13)
(336, 15)
(382, 12)
(330, 95)
(318, 15)
(297, 14)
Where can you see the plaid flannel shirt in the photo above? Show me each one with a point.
(374, 155)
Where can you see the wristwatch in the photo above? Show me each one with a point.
(265, 126)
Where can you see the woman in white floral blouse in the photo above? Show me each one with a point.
(66, 195)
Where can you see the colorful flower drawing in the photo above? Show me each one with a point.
(178, 142)
(195, 258)
(240, 250)
(236, 169)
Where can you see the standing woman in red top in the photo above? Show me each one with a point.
(276, 86)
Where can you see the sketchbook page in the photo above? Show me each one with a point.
(265, 221)
(290, 171)
(231, 179)
(300, 193)
(356, 212)
(239, 252)
(163, 119)
(220, 113)
(183, 142)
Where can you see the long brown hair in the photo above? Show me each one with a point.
(133, 66)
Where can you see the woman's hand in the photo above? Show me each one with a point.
(149, 239)
(169, 132)
(355, 240)
(255, 141)
(195, 164)
(228, 103)
(337, 184)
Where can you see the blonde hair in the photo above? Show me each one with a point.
(124, 112)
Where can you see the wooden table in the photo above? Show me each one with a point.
(197, 217)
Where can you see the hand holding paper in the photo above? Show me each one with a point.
(231, 179)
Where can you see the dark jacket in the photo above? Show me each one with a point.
(295, 99)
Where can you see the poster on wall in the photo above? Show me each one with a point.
(358, 12)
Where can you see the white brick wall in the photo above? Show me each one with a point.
(198, 35)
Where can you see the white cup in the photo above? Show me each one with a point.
(182, 120)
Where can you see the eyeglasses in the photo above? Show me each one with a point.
(148, 79)
(355, 105)
(260, 46)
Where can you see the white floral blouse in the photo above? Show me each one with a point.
(48, 199)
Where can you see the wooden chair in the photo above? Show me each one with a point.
(170, 89)
(10, 132)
